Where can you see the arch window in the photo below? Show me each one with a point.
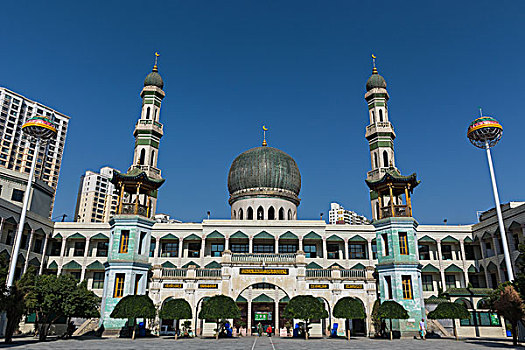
(241, 214)
(373, 117)
(250, 213)
(281, 214)
(380, 115)
(147, 113)
(260, 213)
(156, 114)
(142, 156)
(289, 214)
(377, 210)
(152, 159)
(234, 215)
(385, 159)
(375, 161)
(271, 213)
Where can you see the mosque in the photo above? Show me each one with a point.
(264, 255)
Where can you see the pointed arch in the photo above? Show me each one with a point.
(281, 214)
(289, 214)
(260, 213)
(380, 115)
(156, 115)
(234, 215)
(152, 159)
(250, 213)
(142, 156)
(271, 213)
(385, 159)
(376, 165)
(373, 117)
(147, 112)
(241, 214)
(377, 210)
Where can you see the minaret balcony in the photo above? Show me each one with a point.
(380, 127)
(152, 171)
(378, 173)
(395, 211)
(148, 124)
(134, 209)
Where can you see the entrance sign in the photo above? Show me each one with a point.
(318, 286)
(263, 316)
(354, 286)
(208, 285)
(261, 271)
(172, 285)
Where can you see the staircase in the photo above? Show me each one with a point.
(89, 325)
(434, 325)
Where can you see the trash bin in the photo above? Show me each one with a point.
(142, 329)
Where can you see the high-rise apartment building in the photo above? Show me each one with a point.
(14, 151)
(339, 216)
(97, 197)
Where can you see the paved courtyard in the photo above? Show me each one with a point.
(254, 343)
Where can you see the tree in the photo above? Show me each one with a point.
(506, 301)
(176, 309)
(14, 300)
(54, 297)
(349, 308)
(519, 282)
(133, 307)
(450, 311)
(217, 308)
(393, 311)
(305, 307)
(376, 320)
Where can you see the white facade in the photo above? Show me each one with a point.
(340, 216)
(14, 153)
(97, 197)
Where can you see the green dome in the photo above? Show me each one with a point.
(264, 167)
(154, 79)
(375, 81)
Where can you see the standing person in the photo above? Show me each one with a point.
(259, 329)
(422, 329)
(269, 330)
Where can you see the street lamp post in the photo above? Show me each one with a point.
(485, 132)
(38, 129)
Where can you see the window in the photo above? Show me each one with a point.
(239, 248)
(102, 248)
(289, 214)
(241, 214)
(147, 113)
(333, 251)
(373, 117)
(386, 251)
(194, 250)
(152, 159)
(374, 249)
(356, 251)
(250, 213)
(385, 159)
(388, 287)
(281, 214)
(403, 243)
(486, 319)
(450, 281)
(79, 248)
(310, 250)
(23, 242)
(119, 285)
(124, 242)
(263, 248)
(137, 283)
(263, 286)
(98, 280)
(217, 249)
(375, 161)
(169, 249)
(428, 285)
(260, 213)
(469, 252)
(37, 247)
(17, 195)
(141, 241)
(488, 247)
(446, 252)
(406, 282)
(287, 248)
(76, 275)
(271, 213)
(55, 248)
(380, 115)
(142, 156)
(424, 252)
(152, 248)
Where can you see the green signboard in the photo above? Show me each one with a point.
(263, 316)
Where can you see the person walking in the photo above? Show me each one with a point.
(422, 329)
(259, 329)
(269, 330)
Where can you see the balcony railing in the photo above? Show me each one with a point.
(131, 208)
(399, 210)
(353, 274)
(209, 273)
(172, 272)
(147, 168)
(319, 273)
(263, 257)
(148, 122)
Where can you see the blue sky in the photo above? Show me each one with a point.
(298, 67)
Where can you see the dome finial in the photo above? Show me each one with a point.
(155, 68)
(265, 129)
(374, 70)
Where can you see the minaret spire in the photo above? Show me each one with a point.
(265, 129)
(155, 68)
(374, 69)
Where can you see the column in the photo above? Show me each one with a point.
(324, 248)
(249, 323)
(86, 254)
(28, 251)
(276, 249)
(370, 257)
(227, 243)
(1, 229)
(62, 254)
(44, 252)
(181, 250)
(347, 254)
(301, 244)
(250, 243)
(276, 315)
(203, 246)
(441, 269)
(463, 258)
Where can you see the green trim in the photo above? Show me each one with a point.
(193, 237)
(472, 269)
(468, 240)
(335, 265)
(288, 235)
(430, 268)
(453, 268)
(95, 265)
(314, 265)
(146, 142)
(313, 235)
(34, 262)
(53, 266)
(168, 265)
(213, 265)
(215, 234)
(426, 239)
(263, 298)
(72, 265)
(449, 239)
(99, 236)
(263, 235)
(357, 238)
(76, 236)
(334, 238)
(169, 236)
(480, 292)
(58, 236)
(376, 144)
(239, 234)
(358, 266)
(373, 195)
(185, 266)
(285, 299)
(241, 299)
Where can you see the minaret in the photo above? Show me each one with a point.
(148, 130)
(380, 133)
